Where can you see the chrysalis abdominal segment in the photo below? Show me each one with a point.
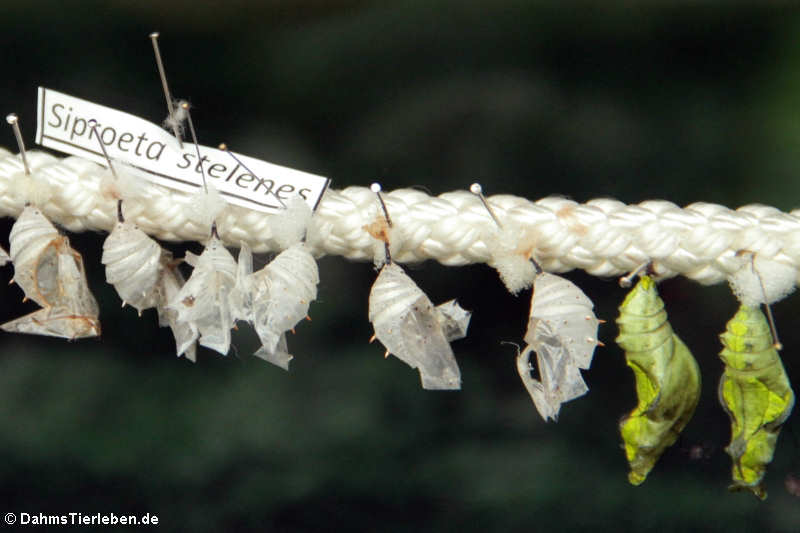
(755, 392)
(667, 379)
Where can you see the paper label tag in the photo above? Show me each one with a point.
(63, 124)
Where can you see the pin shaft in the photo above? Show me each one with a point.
(164, 85)
(14, 121)
(93, 125)
(185, 107)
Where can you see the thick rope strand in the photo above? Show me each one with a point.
(604, 237)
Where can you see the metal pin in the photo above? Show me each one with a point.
(776, 343)
(185, 106)
(93, 126)
(376, 188)
(167, 95)
(477, 190)
(224, 147)
(626, 281)
(13, 119)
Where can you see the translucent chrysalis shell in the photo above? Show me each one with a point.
(560, 379)
(292, 279)
(667, 379)
(570, 314)
(34, 256)
(562, 330)
(275, 298)
(133, 265)
(756, 394)
(203, 302)
(169, 285)
(4, 257)
(50, 273)
(411, 329)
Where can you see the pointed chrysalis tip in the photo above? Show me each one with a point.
(12, 118)
(375, 187)
(476, 188)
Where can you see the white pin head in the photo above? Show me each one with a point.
(378, 230)
(13, 120)
(626, 281)
(477, 190)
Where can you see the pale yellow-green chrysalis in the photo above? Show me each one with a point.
(667, 379)
(755, 392)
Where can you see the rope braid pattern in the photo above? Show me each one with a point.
(604, 237)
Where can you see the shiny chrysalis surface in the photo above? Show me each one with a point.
(667, 379)
(411, 328)
(756, 394)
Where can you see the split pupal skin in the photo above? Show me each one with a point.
(283, 298)
(667, 379)
(569, 312)
(279, 356)
(204, 300)
(756, 393)
(4, 257)
(560, 379)
(241, 297)
(73, 311)
(133, 265)
(169, 285)
(454, 320)
(32, 238)
(407, 324)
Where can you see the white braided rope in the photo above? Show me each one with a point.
(604, 237)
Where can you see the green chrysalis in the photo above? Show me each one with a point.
(667, 379)
(755, 392)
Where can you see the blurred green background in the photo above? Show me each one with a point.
(688, 102)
